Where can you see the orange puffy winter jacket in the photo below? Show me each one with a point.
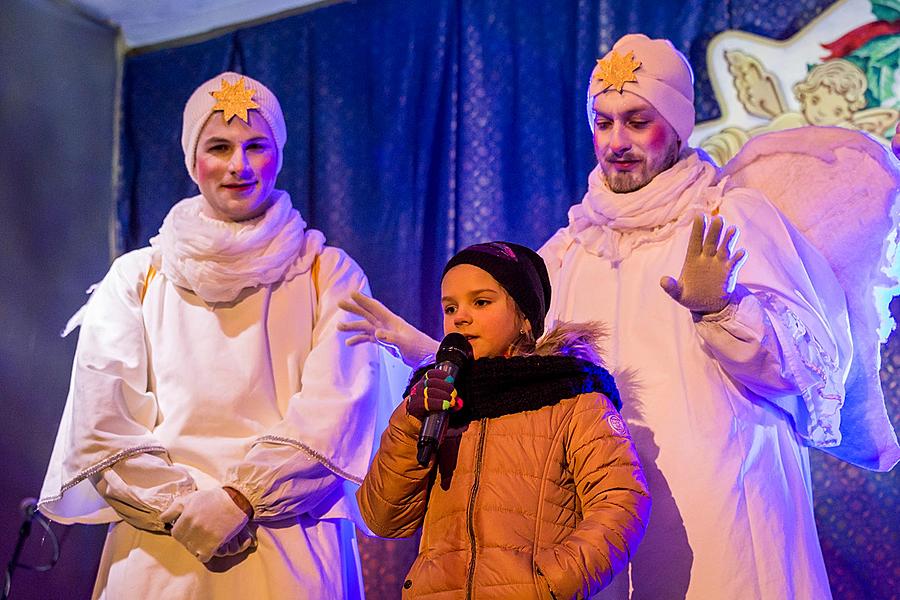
(546, 503)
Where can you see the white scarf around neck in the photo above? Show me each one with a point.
(218, 259)
(613, 224)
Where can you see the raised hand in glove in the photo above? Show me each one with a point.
(434, 392)
(383, 327)
(204, 521)
(710, 268)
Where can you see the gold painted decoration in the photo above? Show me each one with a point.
(234, 100)
(615, 71)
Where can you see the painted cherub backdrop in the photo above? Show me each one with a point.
(839, 70)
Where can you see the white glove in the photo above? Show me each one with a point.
(242, 540)
(710, 269)
(383, 327)
(208, 519)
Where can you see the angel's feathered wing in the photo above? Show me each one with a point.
(757, 88)
(841, 190)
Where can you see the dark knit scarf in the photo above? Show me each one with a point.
(493, 387)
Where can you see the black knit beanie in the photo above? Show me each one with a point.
(520, 271)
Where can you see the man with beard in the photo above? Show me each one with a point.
(730, 371)
(727, 373)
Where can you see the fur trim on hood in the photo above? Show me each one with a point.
(579, 340)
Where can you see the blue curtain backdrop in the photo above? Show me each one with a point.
(417, 128)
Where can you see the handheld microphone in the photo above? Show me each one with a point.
(455, 351)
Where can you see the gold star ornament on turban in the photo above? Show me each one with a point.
(234, 100)
(614, 71)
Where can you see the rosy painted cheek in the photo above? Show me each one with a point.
(207, 169)
(269, 167)
(657, 139)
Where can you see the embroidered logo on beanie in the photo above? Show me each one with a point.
(498, 249)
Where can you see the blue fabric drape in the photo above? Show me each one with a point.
(416, 128)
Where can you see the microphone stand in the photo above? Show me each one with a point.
(24, 532)
(28, 507)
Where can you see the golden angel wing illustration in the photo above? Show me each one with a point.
(757, 88)
(841, 189)
(877, 121)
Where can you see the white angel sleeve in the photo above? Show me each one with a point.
(109, 415)
(786, 335)
(326, 437)
(141, 487)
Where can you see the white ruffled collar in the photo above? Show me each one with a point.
(612, 224)
(218, 259)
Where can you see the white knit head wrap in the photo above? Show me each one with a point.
(200, 106)
(664, 79)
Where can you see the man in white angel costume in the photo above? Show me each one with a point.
(216, 418)
(731, 371)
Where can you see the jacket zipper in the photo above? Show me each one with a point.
(470, 513)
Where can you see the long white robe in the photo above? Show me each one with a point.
(721, 410)
(170, 393)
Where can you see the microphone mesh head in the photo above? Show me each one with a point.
(454, 348)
